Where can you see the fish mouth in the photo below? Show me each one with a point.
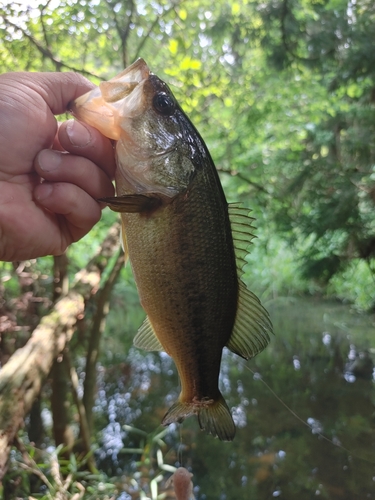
(136, 72)
(102, 107)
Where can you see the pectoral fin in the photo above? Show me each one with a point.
(146, 338)
(252, 327)
(133, 203)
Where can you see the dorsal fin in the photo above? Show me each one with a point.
(241, 225)
(146, 338)
(252, 327)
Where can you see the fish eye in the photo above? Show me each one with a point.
(164, 104)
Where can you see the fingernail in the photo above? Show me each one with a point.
(43, 191)
(78, 134)
(49, 160)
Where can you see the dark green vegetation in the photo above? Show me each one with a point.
(283, 92)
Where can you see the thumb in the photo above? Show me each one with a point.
(57, 89)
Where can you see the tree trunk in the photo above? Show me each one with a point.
(98, 325)
(22, 377)
(60, 407)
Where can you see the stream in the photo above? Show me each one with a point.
(304, 410)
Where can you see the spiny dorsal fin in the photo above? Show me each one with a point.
(241, 225)
(146, 338)
(252, 327)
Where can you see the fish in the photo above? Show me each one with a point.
(186, 244)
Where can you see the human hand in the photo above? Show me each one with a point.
(50, 177)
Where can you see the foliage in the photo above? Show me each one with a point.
(54, 477)
(328, 186)
(283, 93)
(355, 284)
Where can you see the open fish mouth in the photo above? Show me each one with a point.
(136, 72)
(104, 106)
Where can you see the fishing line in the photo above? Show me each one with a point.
(258, 376)
(180, 447)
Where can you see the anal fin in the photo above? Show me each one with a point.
(252, 327)
(146, 338)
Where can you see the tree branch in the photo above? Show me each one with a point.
(22, 377)
(284, 37)
(97, 330)
(41, 18)
(87, 281)
(123, 32)
(85, 431)
(151, 29)
(47, 53)
(235, 173)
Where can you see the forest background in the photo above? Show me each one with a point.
(282, 92)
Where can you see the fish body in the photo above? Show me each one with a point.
(185, 244)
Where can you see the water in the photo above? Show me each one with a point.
(304, 410)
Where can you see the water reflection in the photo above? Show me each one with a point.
(359, 365)
(319, 364)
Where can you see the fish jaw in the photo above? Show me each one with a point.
(104, 106)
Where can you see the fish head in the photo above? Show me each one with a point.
(157, 147)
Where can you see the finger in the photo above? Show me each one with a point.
(56, 142)
(79, 210)
(83, 140)
(27, 98)
(57, 89)
(56, 166)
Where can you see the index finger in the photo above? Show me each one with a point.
(82, 140)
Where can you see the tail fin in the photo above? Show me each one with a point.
(213, 416)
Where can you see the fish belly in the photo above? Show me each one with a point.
(186, 275)
(184, 267)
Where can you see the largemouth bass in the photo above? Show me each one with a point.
(186, 245)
